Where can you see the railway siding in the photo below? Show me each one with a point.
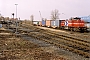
(80, 36)
(50, 37)
(70, 39)
(79, 44)
(80, 52)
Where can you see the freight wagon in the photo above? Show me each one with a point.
(43, 22)
(48, 23)
(56, 23)
(35, 23)
(40, 23)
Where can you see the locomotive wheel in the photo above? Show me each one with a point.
(74, 29)
(71, 29)
(81, 30)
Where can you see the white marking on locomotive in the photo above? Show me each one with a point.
(66, 23)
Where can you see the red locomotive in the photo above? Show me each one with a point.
(74, 24)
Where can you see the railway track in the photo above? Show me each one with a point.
(75, 45)
(79, 44)
(70, 38)
(61, 44)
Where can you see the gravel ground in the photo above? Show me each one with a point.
(16, 48)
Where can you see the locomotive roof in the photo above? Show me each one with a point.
(76, 18)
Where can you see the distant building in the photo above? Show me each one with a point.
(85, 18)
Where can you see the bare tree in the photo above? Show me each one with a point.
(32, 18)
(55, 14)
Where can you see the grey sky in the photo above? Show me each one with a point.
(70, 8)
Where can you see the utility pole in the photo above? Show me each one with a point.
(16, 18)
(32, 17)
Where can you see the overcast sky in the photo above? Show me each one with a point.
(25, 8)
